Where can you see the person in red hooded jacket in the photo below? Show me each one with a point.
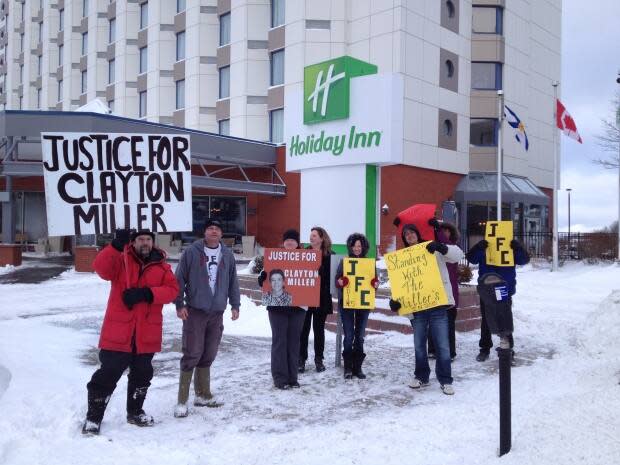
(141, 283)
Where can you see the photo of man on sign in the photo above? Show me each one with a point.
(499, 234)
(293, 277)
(277, 296)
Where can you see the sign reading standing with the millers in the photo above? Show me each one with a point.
(95, 183)
(346, 113)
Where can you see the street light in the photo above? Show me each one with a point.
(570, 244)
(569, 191)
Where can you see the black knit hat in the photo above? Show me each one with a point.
(213, 222)
(142, 232)
(291, 234)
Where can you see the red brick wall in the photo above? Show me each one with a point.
(277, 214)
(403, 186)
(83, 258)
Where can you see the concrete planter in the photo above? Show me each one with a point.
(10, 254)
(84, 256)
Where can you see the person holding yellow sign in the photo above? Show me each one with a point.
(354, 319)
(478, 256)
(434, 319)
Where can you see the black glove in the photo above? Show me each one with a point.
(261, 278)
(434, 223)
(394, 305)
(482, 245)
(515, 245)
(134, 295)
(121, 239)
(396, 221)
(435, 246)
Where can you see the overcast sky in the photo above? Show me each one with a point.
(590, 65)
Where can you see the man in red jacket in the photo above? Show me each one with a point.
(142, 282)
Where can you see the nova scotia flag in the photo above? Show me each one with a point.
(513, 120)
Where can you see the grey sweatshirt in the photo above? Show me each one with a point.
(193, 278)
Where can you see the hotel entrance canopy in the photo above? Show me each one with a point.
(224, 162)
(482, 187)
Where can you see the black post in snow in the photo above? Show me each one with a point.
(505, 414)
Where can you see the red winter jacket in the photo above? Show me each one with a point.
(125, 270)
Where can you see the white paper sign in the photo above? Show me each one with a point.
(96, 183)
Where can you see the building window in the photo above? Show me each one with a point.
(111, 105)
(84, 87)
(21, 42)
(23, 11)
(180, 94)
(277, 13)
(487, 20)
(111, 71)
(39, 65)
(224, 127)
(277, 68)
(144, 15)
(61, 54)
(450, 8)
(21, 102)
(483, 132)
(225, 29)
(40, 32)
(112, 30)
(276, 126)
(85, 8)
(60, 90)
(39, 99)
(181, 46)
(143, 60)
(180, 5)
(61, 19)
(449, 68)
(447, 128)
(224, 82)
(84, 43)
(142, 104)
(21, 74)
(486, 76)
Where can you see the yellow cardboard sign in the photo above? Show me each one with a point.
(499, 235)
(359, 293)
(415, 279)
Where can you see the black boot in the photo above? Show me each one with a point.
(301, 366)
(358, 359)
(483, 355)
(97, 403)
(320, 366)
(135, 400)
(347, 356)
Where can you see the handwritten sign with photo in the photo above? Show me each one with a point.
(415, 279)
(96, 183)
(499, 234)
(359, 294)
(292, 277)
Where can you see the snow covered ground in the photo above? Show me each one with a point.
(565, 389)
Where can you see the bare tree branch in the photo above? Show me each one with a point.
(609, 139)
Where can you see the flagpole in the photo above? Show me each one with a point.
(556, 164)
(500, 115)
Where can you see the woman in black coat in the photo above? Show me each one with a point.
(316, 316)
(286, 322)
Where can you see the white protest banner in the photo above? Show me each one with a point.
(95, 183)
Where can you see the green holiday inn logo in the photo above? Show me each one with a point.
(326, 88)
(326, 98)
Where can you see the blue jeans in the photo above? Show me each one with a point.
(354, 328)
(437, 321)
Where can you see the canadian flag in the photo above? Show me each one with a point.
(566, 122)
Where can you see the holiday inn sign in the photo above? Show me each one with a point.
(345, 114)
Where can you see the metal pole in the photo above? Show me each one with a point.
(500, 116)
(618, 127)
(338, 340)
(570, 244)
(556, 164)
(505, 411)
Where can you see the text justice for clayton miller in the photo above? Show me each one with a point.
(110, 180)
